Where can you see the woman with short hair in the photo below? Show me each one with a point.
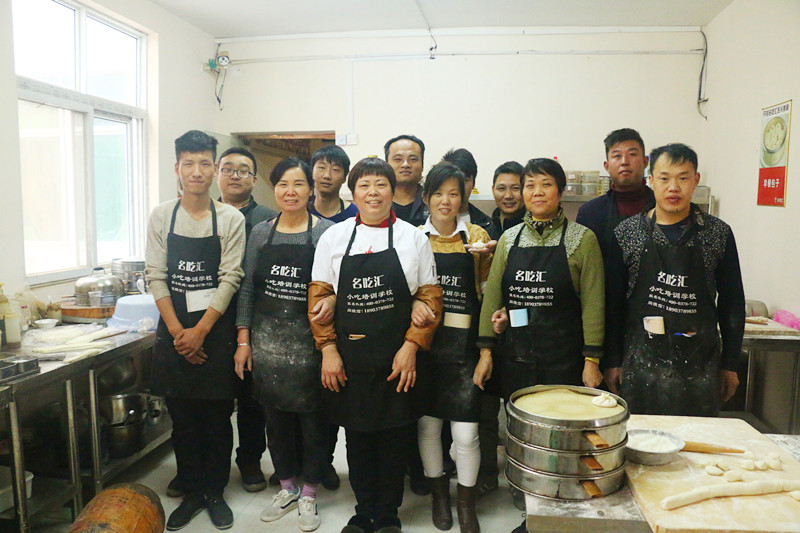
(378, 269)
(547, 281)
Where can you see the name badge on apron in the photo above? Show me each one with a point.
(198, 300)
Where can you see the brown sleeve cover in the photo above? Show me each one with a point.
(431, 295)
(323, 335)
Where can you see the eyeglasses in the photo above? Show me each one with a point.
(241, 173)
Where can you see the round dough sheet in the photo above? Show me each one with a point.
(564, 404)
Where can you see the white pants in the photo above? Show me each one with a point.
(467, 453)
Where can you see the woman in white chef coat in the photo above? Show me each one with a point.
(378, 269)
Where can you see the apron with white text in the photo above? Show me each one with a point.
(677, 372)
(549, 350)
(286, 366)
(192, 278)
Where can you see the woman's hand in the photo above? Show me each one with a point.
(405, 366)
(487, 248)
(333, 376)
(421, 314)
(243, 360)
(324, 311)
(483, 370)
(500, 320)
(592, 377)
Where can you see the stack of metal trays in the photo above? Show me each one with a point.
(565, 459)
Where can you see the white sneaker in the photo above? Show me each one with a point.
(308, 515)
(282, 503)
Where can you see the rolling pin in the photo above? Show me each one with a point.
(702, 447)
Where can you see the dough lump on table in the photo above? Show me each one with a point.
(713, 470)
(750, 488)
(775, 464)
(604, 400)
(747, 464)
(733, 475)
(795, 494)
(761, 465)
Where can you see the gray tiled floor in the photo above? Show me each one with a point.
(495, 511)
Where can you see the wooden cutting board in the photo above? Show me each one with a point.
(650, 484)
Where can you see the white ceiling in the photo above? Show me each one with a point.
(261, 18)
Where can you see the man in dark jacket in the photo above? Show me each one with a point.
(405, 154)
(625, 163)
(236, 180)
(507, 192)
(676, 289)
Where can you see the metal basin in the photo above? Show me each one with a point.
(123, 408)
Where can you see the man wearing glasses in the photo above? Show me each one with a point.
(236, 179)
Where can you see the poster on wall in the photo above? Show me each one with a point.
(775, 124)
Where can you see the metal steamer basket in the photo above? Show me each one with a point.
(565, 459)
(128, 269)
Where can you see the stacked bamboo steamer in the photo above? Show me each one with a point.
(562, 452)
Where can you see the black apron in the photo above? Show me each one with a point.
(444, 374)
(672, 374)
(286, 367)
(549, 350)
(373, 313)
(193, 265)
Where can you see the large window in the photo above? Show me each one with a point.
(81, 116)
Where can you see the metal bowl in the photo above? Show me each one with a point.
(646, 457)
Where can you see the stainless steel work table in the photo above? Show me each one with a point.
(617, 512)
(50, 492)
(788, 344)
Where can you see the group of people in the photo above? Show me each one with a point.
(406, 315)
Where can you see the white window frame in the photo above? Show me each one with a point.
(92, 107)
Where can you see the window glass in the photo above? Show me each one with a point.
(53, 187)
(111, 63)
(44, 41)
(111, 193)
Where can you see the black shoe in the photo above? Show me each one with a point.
(521, 529)
(485, 486)
(330, 479)
(253, 479)
(175, 488)
(188, 509)
(221, 515)
(274, 481)
(419, 486)
(359, 524)
(388, 524)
